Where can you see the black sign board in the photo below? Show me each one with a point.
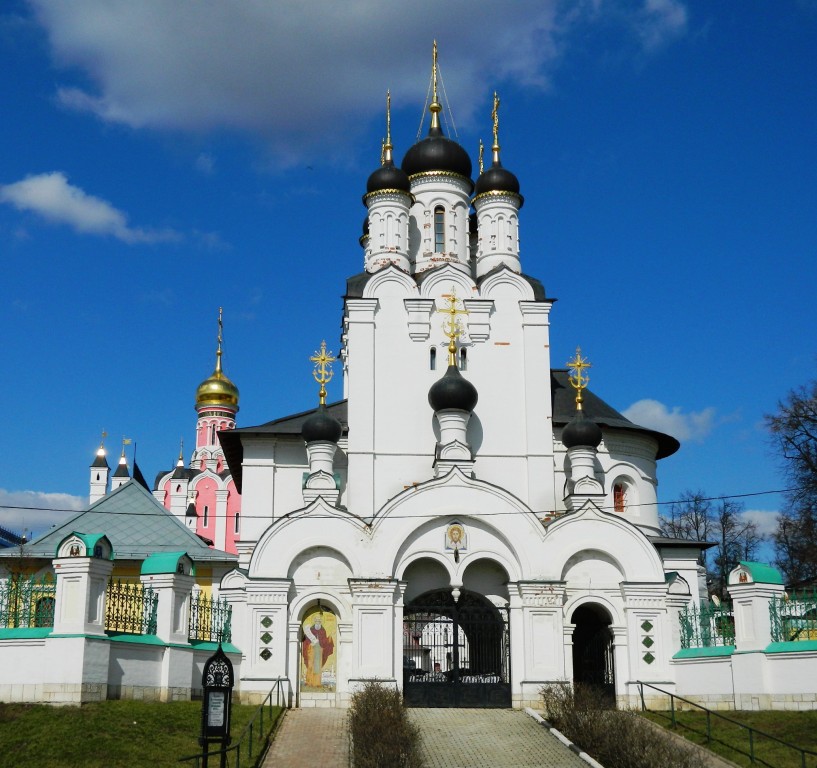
(217, 683)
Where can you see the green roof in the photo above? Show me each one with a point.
(136, 524)
(89, 539)
(762, 573)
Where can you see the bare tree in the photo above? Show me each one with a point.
(793, 429)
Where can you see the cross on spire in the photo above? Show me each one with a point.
(578, 379)
(452, 327)
(322, 372)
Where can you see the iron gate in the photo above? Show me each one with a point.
(456, 654)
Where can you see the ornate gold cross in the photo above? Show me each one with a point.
(323, 370)
(578, 379)
(452, 327)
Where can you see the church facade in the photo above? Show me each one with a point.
(467, 523)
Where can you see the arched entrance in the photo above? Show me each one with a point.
(456, 653)
(593, 649)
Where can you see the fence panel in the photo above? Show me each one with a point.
(210, 619)
(707, 626)
(130, 608)
(27, 601)
(794, 617)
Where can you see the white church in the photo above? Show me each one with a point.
(496, 531)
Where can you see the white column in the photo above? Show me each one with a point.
(373, 603)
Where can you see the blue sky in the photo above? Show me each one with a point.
(159, 160)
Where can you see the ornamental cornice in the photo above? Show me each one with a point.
(419, 317)
(396, 195)
(496, 195)
(429, 177)
(267, 598)
(542, 594)
(479, 318)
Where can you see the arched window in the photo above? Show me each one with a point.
(237, 527)
(439, 229)
(463, 359)
(206, 520)
(213, 433)
(619, 497)
(432, 359)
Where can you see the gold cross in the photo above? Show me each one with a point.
(323, 370)
(578, 379)
(495, 119)
(452, 327)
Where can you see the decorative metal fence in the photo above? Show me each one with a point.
(707, 625)
(130, 608)
(210, 619)
(27, 601)
(794, 617)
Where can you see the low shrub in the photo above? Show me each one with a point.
(379, 730)
(616, 739)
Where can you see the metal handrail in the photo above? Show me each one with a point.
(263, 734)
(752, 732)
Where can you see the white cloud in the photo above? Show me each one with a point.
(30, 511)
(205, 163)
(50, 196)
(661, 21)
(306, 76)
(694, 426)
(764, 519)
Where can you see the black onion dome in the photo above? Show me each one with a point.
(320, 426)
(436, 152)
(453, 391)
(388, 176)
(581, 431)
(497, 179)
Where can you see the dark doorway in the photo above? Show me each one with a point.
(593, 649)
(455, 653)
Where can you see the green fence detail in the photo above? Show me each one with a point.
(210, 619)
(27, 601)
(794, 617)
(130, 608)
(707, 625)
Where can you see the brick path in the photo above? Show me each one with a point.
(489, 738)
(452, 738)
(311, 736)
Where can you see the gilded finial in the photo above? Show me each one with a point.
(435, 107)
(452, 327)
(219, 340)
(102, 440)
(382, 151)
(481, 155)
(578, 379)
(385, 152)
(181, 451)
(495, 119)
(125, 441)
(322, 372)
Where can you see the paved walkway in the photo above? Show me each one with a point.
(452, 738)
(489, 738)
(311, 736)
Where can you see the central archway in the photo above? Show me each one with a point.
(593, 649)
(456, 653)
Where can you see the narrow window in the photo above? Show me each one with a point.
(97, 476)
(206, 520)
(432, 359)
(439, 229)
(463, 360)
(237, 527)
(212, 434)
(619, 498)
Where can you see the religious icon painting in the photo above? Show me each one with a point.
(318, 658)
(455, 537)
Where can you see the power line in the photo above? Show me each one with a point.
(244, 516)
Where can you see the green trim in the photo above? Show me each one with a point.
(206, 645)
(25, 633)
(762, 573)
(103, 638)
(794, 646)
(700, 653)
(123, 637)
(89, 539)
(164, 562)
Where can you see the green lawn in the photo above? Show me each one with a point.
(799, 728)
(110, 734)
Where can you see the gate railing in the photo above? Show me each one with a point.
(752, 744)
(210, 619)
(707, 626)
(794, 617)
(130, 608)
(27, 601)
